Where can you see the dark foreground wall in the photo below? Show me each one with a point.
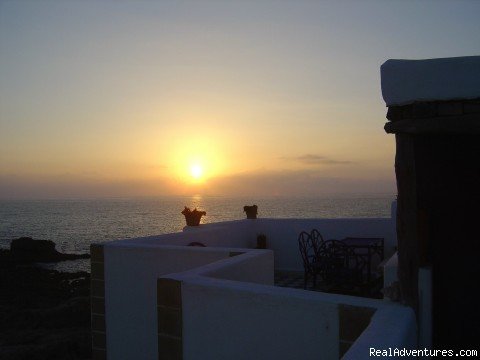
(438, 219)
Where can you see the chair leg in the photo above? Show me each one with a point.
(314, 281)
(305, 279)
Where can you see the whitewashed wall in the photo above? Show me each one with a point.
(133, 266)
(390, 271)
(131, 274)
(243, 319)
(391, 327)
(282, 235)
(237, 234)
(239, 321)
(255, 266)
(225, 322)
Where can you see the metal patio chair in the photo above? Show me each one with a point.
(308, 244)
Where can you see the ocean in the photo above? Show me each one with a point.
(74, 224)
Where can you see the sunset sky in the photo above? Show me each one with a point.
(128, 98)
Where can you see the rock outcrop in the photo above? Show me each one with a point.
(26, 249)
(44, 314)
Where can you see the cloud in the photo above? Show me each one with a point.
(296, 183)
(313, 159)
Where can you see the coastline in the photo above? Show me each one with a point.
(44, 314)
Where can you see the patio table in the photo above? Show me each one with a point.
(364, 249)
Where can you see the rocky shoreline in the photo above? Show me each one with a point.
(44, 314)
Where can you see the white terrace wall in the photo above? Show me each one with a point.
(254, 266)
(133, 266)
(237, 320)
(392, 327)
(248, 321)
(238, 234)
(282, 235)
(131, 273)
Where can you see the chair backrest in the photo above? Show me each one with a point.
(307, 249)
(308, 244)
(332, 249)
(317, 238)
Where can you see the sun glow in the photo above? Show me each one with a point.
(194, 158)
(196, 171)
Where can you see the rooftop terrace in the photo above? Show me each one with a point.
(159, 298)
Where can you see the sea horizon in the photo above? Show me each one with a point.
(74, 224)
(140, 197)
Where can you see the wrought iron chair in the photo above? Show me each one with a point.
(308, 244)
(317, 238)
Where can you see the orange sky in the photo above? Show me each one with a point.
(123, 98)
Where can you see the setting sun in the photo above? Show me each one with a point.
(196, 171)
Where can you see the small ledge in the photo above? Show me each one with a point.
(464, 124)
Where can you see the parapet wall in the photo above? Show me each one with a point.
(218, 301)
(282, 235)
(221, 318)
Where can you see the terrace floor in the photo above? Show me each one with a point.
(294, 280)
(289, 279)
